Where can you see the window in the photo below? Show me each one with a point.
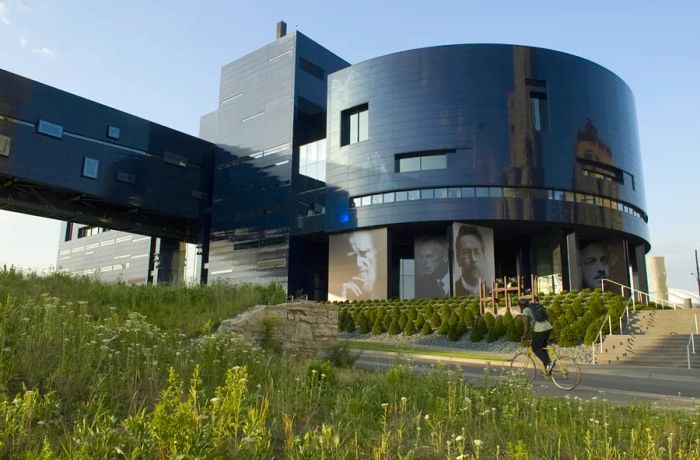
(538, 104)
(354, 125)
(312, 160)
(421, 161)
(91, 168)
(389, 197)
(174, 159)
(113, 132)
(5, 146)
(495, 192)
(90, 231)
(126, 178)
(50, 129)
(312, 68)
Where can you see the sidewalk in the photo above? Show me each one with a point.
(414, 351)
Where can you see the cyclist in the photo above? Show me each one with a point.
(540, 332)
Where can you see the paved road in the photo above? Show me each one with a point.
(620, 385)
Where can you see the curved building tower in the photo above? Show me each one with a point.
(451, 165)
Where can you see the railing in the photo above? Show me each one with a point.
(625, 314)
(634, 294)
(600, 334)
(691, 339)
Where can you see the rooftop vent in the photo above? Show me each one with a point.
(281, 29)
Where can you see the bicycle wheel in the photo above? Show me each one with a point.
(566, 375)
(523, 365)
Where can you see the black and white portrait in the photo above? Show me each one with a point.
(357, 265)
(473, 258)
(432, 267)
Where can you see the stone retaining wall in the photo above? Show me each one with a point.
(304, 329)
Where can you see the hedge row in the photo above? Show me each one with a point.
(576, 316)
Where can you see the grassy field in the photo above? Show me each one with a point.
(95, 378)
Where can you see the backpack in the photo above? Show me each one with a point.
(539, 312)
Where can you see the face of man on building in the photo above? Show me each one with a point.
(470, 256)
(594, 264)
(365, 253)
(432, 258)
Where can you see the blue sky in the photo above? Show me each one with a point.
(161, 60)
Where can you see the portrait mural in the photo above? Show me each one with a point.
(432, 266)
(602, 259)
(357, 265)
(473, 258)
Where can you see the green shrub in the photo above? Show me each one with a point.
(426, 330)
(409, 328)
(514, 332)
(567, 337)
(420, 320)
(469, 319)
(378, 327)
(363, 323)
(489, 320)
(478, 330)
(394, 328)
(403, 319)
(349, 324)
(435, 320)
(497, 331)
(341, 356)
(455, 331)
(592, 331)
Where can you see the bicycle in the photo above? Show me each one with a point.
(566, 375)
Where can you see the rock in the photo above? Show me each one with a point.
(305, 329)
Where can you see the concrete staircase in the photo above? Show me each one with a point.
(653, 338)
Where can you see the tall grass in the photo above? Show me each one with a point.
(74, 384)
(192, 310)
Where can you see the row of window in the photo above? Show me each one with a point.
(494, 192)
(91, 170)
(354, 122)
(90, 165)
(55, 130)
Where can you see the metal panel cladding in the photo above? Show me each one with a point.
(519, 133)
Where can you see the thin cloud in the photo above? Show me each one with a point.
(4, 14)
(23, 41)
(21, 6)
(43, 52)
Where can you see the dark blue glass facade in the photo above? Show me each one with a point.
(537, 145)
(59, 161)
(536, 141)
(473, 101)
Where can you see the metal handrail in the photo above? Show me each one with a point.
(627, 314)
(600, 334)
(644, 296)
(691, 340)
